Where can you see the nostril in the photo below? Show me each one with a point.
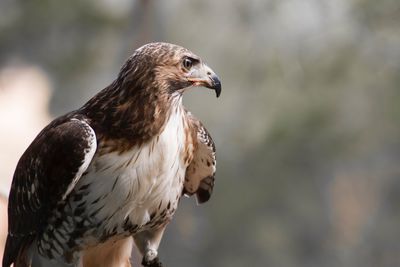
(208, 72)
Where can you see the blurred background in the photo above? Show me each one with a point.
(307, 129)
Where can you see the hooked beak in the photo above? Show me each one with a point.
(205, 76)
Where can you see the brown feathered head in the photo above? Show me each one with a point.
(167, 67)
(137, 104)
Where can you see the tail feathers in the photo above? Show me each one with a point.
(16, 251)
(22, 252)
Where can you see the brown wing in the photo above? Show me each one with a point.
(45, 175)
(200, 173)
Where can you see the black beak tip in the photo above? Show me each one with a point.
(218, 88)
(216, 85)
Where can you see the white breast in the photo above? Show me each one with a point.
(138, 182)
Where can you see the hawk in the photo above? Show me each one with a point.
(115, 168)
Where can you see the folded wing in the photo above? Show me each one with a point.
(46, 173)
(200, 173)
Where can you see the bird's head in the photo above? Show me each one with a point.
(169, 68)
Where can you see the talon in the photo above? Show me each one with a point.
(153, 263)
(150, 255)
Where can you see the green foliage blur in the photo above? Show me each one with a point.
(307, 128)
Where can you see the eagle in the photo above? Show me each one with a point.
(112, 172)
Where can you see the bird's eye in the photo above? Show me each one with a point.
(187, 63)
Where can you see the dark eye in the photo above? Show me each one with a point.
(187, 63)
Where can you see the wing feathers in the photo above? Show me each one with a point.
(46, 173)
(88, 155)
(200, 173)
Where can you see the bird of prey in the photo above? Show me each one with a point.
(115, 168)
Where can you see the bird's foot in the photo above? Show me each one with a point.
(153, 263)
(151, 259)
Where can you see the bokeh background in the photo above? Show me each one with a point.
(307, 128)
